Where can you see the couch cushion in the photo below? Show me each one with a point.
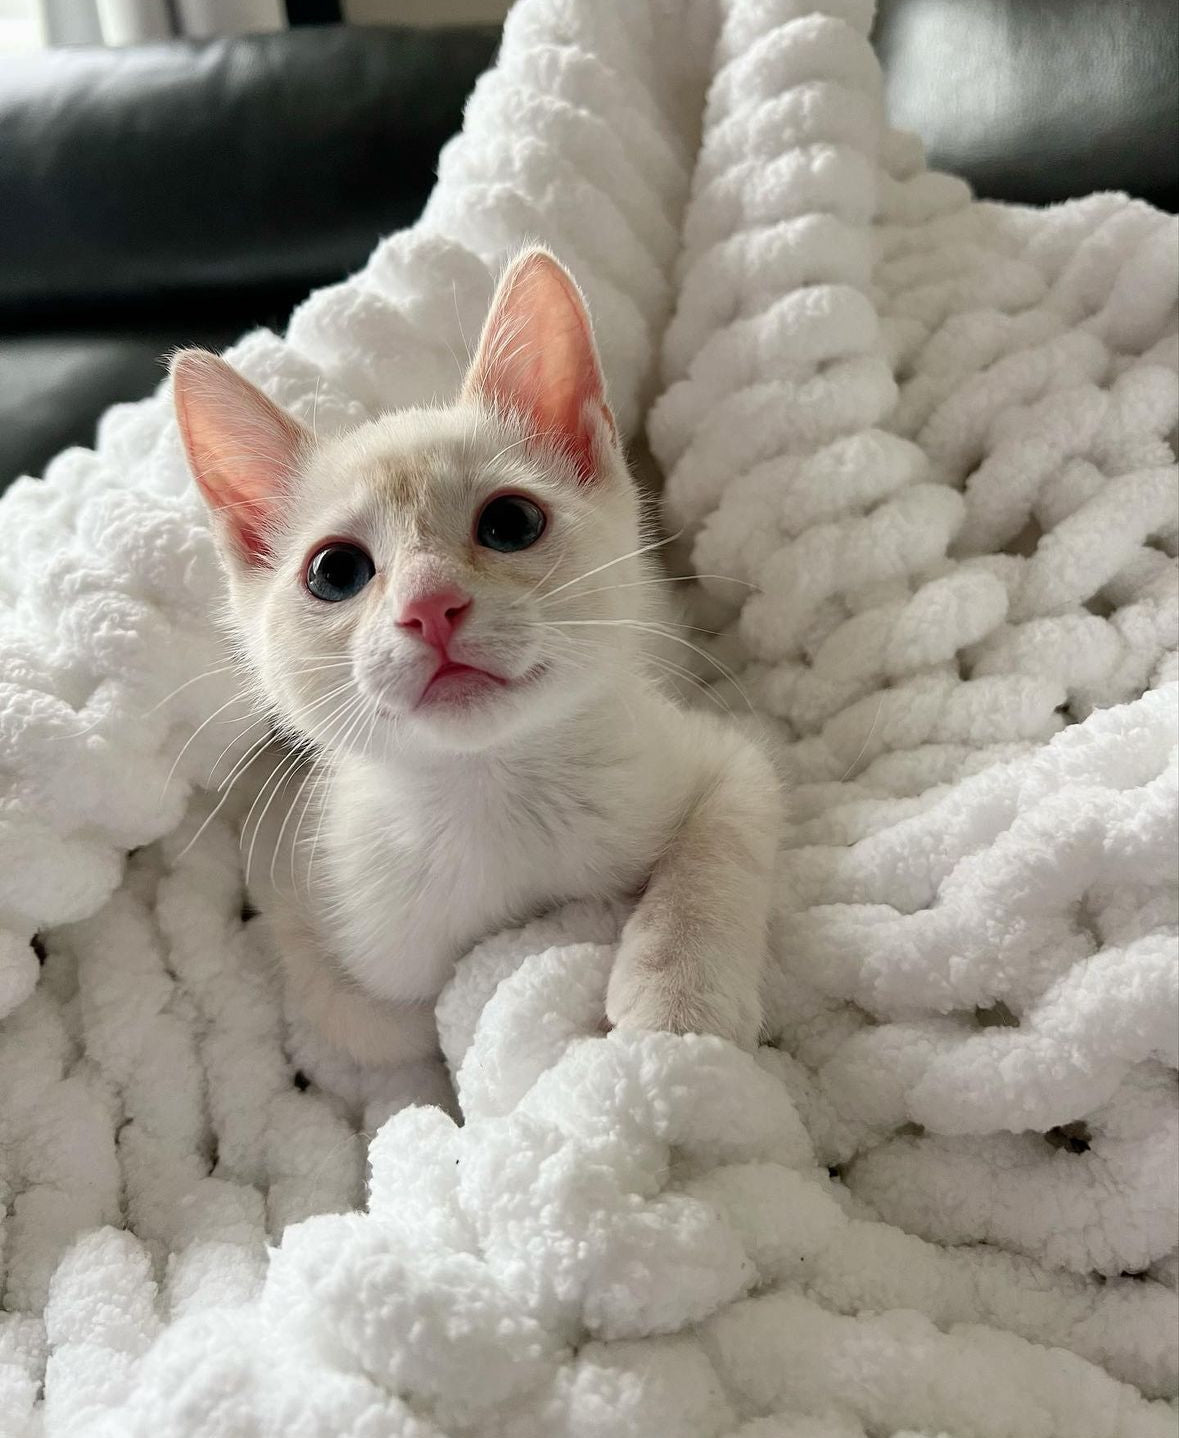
(1039, 100)
(53, 387)
(132, 176)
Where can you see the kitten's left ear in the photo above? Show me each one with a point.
(537, 357)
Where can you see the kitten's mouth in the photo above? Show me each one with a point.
(455, 683)
(452, 681)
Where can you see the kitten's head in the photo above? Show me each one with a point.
(445, 578)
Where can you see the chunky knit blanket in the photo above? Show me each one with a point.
(937, 437)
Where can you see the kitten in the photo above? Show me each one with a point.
(450, 608)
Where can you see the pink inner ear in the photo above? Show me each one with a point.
(242, 449)
(537, 357)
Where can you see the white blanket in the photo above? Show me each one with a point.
(939, 437)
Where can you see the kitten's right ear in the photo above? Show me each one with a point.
(242, 449)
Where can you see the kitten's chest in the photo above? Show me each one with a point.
(420, 872)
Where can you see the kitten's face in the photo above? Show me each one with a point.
(439, 579)
(421, 513)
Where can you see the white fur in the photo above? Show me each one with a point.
(415, 830)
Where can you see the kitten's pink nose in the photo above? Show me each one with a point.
(436, 615)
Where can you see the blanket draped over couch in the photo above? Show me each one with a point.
(937, 438)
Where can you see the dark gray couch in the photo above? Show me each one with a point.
(181, 194)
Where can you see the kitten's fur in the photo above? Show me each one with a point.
(431, 825)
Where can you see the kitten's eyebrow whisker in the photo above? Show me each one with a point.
(315, 408)
(634, 554)
(459, 321)
(530, 438)
(504, 335)
(237, 504)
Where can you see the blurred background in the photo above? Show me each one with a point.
(177, 171)
(29, 24)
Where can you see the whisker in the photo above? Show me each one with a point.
(274, 781)
(544, 579)
(847, 773)
(254, 747)
(660, 632)
(307, 709)
(237, 698)
(297, 756)
(291, 808)
(342, 741)
(96, 723)
(663, 625)
(669, 666)
(660, 579)
(314, 774)
(462, 333)
(220, 804)
(621, 559)
(315, 408)
(188, 683)
(529, 438)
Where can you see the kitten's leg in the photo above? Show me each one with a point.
(372, 1030)
(692, 954)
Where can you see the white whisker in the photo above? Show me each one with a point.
(661, 632)
(621, 559)
(658, 579)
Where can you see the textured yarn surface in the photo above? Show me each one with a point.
(937, 440)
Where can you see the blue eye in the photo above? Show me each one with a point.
(509, 523)
(338, 571)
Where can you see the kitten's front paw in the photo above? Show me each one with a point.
(655, 985)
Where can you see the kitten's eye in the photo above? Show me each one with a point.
(508, 523)
(338, 571)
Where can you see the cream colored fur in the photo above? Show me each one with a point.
(396, 837)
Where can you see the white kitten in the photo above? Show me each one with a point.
(449, 606)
